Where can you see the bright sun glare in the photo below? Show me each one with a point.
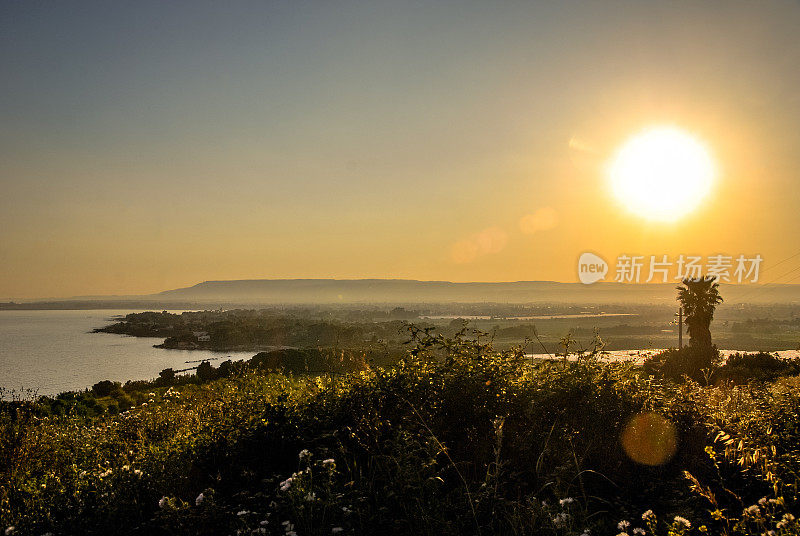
(662, 173)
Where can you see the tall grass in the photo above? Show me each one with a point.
(456, 439)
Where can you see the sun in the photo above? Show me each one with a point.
(662, 173)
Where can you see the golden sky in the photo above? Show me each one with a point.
(147, 147)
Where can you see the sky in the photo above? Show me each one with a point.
(152, 145)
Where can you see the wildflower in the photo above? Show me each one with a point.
(787, 518)
(311, 496)
(752, 510)
(10, 530)
(762, 501)
(639, 531)
(648, 516)
(336, 530)
(242, 513)
(286, 484)
(304, 454)
(330, 462)
(560, 520)
(137, 472)
(162, 502)
(105, 473)
(264, 523)
(566, 500)
(683, 521)
(622, 525)
(199, 500)
(346, 510)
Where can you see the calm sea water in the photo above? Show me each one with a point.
(55, 351)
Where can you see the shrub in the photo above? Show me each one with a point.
(674, 364)
(761, 366)
(105, 387)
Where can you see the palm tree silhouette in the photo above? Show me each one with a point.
(699, 297)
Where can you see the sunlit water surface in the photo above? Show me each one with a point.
(55, 351)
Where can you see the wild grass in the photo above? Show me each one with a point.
(456, 439)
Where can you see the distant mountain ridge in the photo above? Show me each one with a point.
(275, 291)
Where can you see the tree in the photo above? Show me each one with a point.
(206, 372)
(699, 298)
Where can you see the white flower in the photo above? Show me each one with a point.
(242, 513)
(567, 500)
(787, 518)
(762, 501)
(683, 521)
(199, 500)
(328, 462)
(162, 502)
(311, 496)
(336, 530)
(648, 516)
(622, 525)
(752, 510)
(286, 484)
(639, 531)
(305, 453)
(560, 520)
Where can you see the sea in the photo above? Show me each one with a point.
(48, 352)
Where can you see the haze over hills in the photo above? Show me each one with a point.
(404, 291)
(413, 291)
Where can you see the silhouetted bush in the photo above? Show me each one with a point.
(762, 366)
(105, 387)
(674, 364)
(206, 372)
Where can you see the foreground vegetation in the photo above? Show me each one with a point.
(456, 439)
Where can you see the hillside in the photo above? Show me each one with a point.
(413, 291)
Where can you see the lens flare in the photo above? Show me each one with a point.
(650, 439)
